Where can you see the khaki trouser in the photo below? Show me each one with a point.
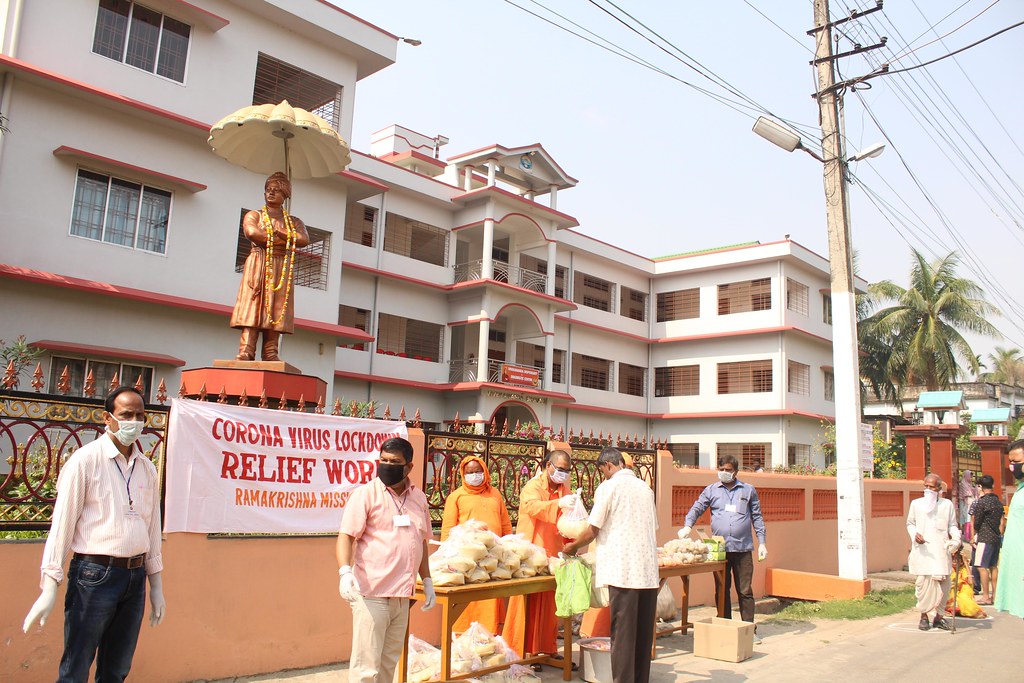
(378, 634)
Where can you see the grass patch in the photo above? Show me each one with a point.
(877, 604)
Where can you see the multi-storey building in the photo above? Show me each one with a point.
(451, 287)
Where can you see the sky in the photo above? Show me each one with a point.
(664, 168)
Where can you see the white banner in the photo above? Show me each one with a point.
(251, 470)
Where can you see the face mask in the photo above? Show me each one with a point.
(474, 479)
(930, 499)
(726, 477)
(559, 477)
(1018, 470)
(128, 432)
(390, 474)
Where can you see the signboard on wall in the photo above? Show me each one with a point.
(867, 447)
(520, 375)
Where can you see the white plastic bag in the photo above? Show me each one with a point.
(574, 521)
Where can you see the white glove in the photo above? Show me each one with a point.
(429, 597)
(568, 501)
(348, 587)
(156, 599)
(762, 552)
(684, 532)
(43, 605)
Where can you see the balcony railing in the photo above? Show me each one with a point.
(503, 272)
(498, 371)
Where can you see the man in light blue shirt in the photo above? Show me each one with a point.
(735, 511)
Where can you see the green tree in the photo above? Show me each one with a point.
(922, 328)
(1007, 367)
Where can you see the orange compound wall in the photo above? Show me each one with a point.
(800, 521)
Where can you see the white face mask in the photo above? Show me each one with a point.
(930, 499)
(726, 477)
(128, 432)
(474, 479)
(559, 477)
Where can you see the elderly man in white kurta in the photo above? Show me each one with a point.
(623, 521)
(934, 536)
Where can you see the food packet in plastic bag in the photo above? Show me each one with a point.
(517, 673)
(574, 521)
(475, 642)
(424, 661)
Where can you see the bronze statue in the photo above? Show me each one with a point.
(264, 295)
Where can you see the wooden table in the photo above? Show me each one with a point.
(452, 600)
(685, 571)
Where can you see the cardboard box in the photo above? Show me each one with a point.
(729, 640)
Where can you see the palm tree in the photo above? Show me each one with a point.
(918, 338)
(1007, 367)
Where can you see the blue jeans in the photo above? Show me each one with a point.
(102, 614)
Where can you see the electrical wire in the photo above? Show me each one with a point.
(945, 35)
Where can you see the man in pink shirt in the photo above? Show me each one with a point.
(382, 544)
(107, 513)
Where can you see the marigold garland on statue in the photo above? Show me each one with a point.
(287, 265)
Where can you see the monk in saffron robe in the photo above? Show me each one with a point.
(530, 624)
(476, 499)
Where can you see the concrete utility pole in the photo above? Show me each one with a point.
(845, 360)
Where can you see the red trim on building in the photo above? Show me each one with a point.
(394, 276)
(45, 74)
(352, 16)
(472, 194)
(121, 292)
(700, 416)
(499, 221)
(696, 337)
(364, 180)
(602, 328)
(452, 386)
(72, 153)
(107, 352)
(413, 154)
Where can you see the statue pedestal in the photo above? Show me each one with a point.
(235, 377)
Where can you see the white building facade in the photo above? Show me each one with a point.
(451, 287)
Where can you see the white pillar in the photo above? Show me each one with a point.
(549, 360)
(549, 286)
(481, 350)
(488, 258)
(554, 197)
(492, 170)
(467, 178)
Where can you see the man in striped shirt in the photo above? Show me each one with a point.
(108, 514)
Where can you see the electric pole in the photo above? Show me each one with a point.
(846, 362)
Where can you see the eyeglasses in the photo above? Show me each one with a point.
(563, 470)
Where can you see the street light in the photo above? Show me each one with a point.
(415, 42)
(845, 360)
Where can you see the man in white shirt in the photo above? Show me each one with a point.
(934, 536)
(107, 513)
(623, 521)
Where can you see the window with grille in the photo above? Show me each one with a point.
(590, 372)
(360, 222)
(592, 292)
(277, 80)
(423, 242)
(798, 454)
(797, 296)
(748, 377)
(359, 318)
(830, 385)
(311, 261)
(632, 304)
(826, 309)
(749, 455)
(683, 304)
(743, 297)
(799, 379)
(632, 379)
(103, 372)
(679, 380)
(143, 38)
(685, 454)
(409, 338)
(119, 211)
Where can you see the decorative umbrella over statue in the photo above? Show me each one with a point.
(287, 143)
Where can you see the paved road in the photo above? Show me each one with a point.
(881, 649)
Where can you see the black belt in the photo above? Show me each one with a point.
(119, 562)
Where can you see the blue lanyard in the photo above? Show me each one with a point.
(128, 481)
